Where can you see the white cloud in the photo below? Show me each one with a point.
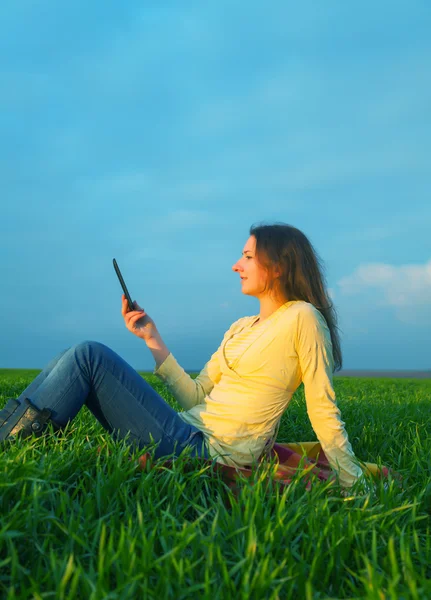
(406, 288)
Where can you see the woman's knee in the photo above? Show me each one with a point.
(89, 349)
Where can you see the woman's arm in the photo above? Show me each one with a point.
(187, 391)
(314, 348)
(158, 349)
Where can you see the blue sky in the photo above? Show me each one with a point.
(158, 133)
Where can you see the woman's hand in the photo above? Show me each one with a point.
(138, 322)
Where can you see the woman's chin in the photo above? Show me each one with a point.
(246, 289)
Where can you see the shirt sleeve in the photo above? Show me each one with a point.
(314, 348)
(187, 391)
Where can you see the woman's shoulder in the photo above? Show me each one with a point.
(306, 313)
(301, 307)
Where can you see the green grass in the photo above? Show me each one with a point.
(76, 524)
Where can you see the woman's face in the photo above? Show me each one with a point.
(253, 275)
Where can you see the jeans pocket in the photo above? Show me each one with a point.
(197, 439)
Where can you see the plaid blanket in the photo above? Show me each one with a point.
(305, 457)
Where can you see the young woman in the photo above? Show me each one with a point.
(232, 410)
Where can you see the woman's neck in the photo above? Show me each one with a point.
(268, 306)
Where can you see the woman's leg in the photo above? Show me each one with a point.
(31, 389)
(123, 402)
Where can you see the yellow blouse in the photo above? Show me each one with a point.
(238, 398)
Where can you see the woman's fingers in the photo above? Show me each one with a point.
(134, 320)
(133, 316)
(136, 315)
(138, 322)
(125, 306)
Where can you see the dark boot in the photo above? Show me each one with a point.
(21, 418)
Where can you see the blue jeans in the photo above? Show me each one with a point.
(122, 401)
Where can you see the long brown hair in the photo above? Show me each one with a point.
(287, 249)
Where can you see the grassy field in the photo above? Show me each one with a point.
(78, 524)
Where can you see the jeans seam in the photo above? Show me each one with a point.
(53, 408)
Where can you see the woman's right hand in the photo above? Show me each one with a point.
(137, 321)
